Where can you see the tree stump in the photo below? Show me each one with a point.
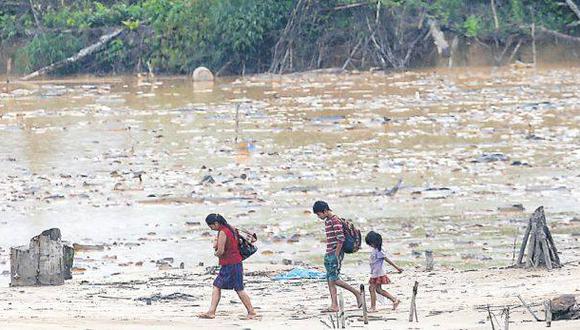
(538, 241)
(45, 261)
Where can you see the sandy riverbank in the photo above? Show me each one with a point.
(447, 299)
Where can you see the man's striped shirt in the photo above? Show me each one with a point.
(334, 233)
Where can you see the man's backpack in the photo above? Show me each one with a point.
(352, 237)
(246, 242)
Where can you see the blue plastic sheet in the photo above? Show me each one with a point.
(300, 273)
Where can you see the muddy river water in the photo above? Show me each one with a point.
(134, 165)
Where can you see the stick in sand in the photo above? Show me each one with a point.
(341, 306)
(490, 318)
(507, 318)
(548, 312)
(237, 121)
(413, 309)
(528, 308)
(364, 304)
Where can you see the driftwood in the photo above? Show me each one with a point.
(538, 241)
(45, 261)
(103, 40)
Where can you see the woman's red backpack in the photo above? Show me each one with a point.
(352, 237)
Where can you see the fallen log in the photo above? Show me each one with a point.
(45, 261)
(103, 40)
(559, 34)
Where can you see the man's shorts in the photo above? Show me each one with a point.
(332, 265)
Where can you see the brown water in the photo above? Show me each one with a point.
(71, 150)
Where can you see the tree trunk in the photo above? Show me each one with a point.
(103, 40)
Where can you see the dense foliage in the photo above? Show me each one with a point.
(234, 36)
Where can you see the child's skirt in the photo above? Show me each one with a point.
(384, 279)
(230, 277)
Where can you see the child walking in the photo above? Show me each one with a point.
(378, 275)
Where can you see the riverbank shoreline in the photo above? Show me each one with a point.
(446, 300)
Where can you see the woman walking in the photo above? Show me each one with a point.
(231, 275)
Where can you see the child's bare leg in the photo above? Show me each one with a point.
(354, 291)
(373, 294)
(388, 296)
(333, 296)
(247, 303)
(215, 300)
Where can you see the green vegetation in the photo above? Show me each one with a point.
(235, 36)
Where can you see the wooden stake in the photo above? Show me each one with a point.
(548, 312)
(524, 242)
(413, 309)
(428, 260)
(364, 304)
(546, 253)
(237, 121)
(341, 306)
(507, 319)
(531, 246)
(515, 245)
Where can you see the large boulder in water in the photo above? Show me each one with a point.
(202, 74)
